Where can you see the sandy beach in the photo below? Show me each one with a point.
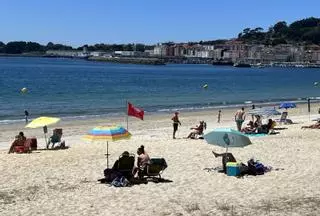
(64, 182)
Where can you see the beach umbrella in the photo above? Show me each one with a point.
(265, 112)
(106, 134)
(287, 105)
(43, 121)
(227, 137)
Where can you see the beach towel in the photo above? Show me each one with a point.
(120, 182)
(256, 135)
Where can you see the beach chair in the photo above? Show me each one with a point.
(56, 138)
(21, 146)
(198, 134)
(154, 169)
(283, 119)
(125, 165)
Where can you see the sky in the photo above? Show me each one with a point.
(79, 22)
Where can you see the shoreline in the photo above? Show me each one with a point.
(165, 60)
(164, 111)
(227, 117)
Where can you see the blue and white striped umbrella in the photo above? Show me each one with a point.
(265, 112)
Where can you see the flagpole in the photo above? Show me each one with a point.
(107, 154)
(127, 115)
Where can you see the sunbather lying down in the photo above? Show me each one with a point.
(313, 126)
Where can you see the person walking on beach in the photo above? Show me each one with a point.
(176, 122)
(219, 116)
(26, 115)
(239, 118)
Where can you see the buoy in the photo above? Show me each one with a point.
(24, 90)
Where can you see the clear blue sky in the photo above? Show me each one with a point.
(78, 22)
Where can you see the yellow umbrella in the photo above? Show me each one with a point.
(43, 122)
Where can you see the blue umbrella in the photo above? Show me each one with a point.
(227, 137)
(287, 105)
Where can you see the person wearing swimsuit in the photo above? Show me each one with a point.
(176, 122)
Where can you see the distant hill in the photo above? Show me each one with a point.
(305, 31)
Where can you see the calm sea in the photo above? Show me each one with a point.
(79, 89)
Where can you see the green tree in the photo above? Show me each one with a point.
(15, 47)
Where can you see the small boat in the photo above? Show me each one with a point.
(241, 65)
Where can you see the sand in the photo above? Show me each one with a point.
(64, 182)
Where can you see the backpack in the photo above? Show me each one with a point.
(255, 168)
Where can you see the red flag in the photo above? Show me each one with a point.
(134, 111)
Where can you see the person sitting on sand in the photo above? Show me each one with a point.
(250, 129)
(125, 154)
(198, 130)
(143, 161)
(19, 141)
(266, 128)
(226, 157)
(313, 126)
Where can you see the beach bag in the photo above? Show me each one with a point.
(110, 175)
(120, 182)
(255, 168)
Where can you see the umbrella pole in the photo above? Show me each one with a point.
(107, 154)
(45, 140)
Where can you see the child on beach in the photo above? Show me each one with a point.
(219, 116)
(176, 122)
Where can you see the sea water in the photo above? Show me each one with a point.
(79, 89)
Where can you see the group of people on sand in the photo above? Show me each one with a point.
(142, 161)
(133, 170)
(257, 127)
(254, 126)
(55, 141)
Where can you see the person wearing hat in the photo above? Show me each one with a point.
(176, 122)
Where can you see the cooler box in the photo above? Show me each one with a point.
(233, 169)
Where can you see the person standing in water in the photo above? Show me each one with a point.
(26, 115)
(176, 122)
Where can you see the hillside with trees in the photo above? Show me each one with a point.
(20, 47)
(305, 31)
